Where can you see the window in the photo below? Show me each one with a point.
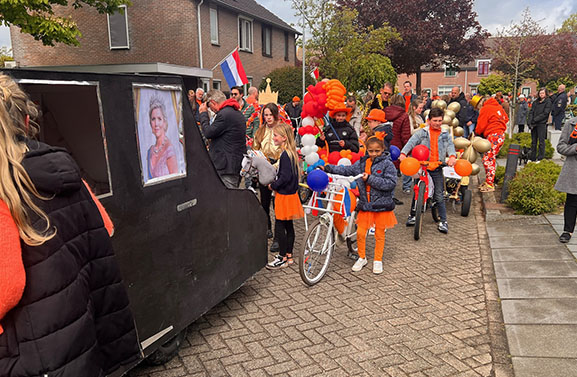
(286, 46)
(266, 41)
(245, 34)
(216, 84)
(473, 88)
(483, 67)
(444, 89)
(213, 26)
(450, 71)
(526, 91)
(118, 29)
(205, 85)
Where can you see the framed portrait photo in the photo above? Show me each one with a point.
(159, 132)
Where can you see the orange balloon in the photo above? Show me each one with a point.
(463, 168)
(410, 166)
(343, 153)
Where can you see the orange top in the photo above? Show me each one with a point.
(492, 119)
(434, 152)
(407, 102)
(368, 166)
(12, 274)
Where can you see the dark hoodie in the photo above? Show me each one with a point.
(462, 114)
(227, 135)
(73, 318)
(339, 131)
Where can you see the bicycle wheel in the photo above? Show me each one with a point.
(419, 211)
(435, 213)
(466, 202)
(352, 234)
(315, 256)
(304, 192)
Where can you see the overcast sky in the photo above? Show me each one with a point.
(493, 14)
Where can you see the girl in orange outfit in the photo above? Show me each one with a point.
(287, 202)
(375, 204)
(491, 124)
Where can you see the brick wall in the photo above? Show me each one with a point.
(464, 79)
(255, 64)
(158, 33)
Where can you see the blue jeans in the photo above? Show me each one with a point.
(558, 121)
(407, 182)
(439, 195)
(469, 129)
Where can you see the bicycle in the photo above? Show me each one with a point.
(320, 236)
(422, 188)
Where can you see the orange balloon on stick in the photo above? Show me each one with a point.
(410, 166)
(463, 168)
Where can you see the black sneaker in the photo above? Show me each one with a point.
(565, 237)
(269, 234)
(443, 227)
(275, 247)
(278, 262)
(411, 221)
(398, 202)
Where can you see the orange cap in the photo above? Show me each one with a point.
(377, 114)
(296, 99)
(334, 112)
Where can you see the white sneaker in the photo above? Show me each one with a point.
(377, 267)
(359, 264)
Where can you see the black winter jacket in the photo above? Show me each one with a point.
(539, 113)
(383, 179)
(287, 179)
(344, 131)
(227, 135)
(73, 319)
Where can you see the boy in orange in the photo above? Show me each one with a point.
(491, 124)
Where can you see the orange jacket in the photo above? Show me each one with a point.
(492, 119)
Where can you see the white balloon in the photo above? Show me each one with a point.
(315, 148)
(308, 121)
(308, 139)
(306, 150)
(312, 158)
(344, 162)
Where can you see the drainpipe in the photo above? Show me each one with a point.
(200, 62)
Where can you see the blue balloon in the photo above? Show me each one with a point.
(309, 169)
(354, 184)
(317, 180)
(395, 152)
(321, 162)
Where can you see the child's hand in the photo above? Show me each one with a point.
(365, 177)
(452, 161)
(342, 143)
(269, 187)
(322, 136)
(321, 167)
(402, 157)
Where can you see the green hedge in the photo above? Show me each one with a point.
(532, 191)
(524, 140)
(499, 175)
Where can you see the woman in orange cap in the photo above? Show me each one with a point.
(377, 123)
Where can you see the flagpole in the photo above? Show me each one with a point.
(304, 51)
(219, 63)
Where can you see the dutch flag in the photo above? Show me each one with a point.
(233, 70)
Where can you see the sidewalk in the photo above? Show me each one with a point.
(537, 284)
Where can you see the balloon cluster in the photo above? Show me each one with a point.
(411, 165)
(309, 149)
(315, 102)
(335, 94)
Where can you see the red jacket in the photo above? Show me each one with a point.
(492, 119)
(401, 125)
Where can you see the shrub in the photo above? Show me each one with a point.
(531, 192)
(524, 140)
(499, 175)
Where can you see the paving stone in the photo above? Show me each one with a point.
(531, 253)
(537, 288)
(540, 311)
(515, 240)
(530, 230)
(539, 367)
(558, 341)
(536, 269)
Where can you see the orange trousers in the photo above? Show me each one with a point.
(379, 242)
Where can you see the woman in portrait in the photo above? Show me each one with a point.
(161, 156)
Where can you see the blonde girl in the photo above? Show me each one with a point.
(287, 203)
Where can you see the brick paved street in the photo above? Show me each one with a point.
(433, 312)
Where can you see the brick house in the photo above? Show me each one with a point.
(179, 37)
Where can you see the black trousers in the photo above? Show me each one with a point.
(265, 199)
(521, 128)
(538, 134)
(570, 213)
(284, 233)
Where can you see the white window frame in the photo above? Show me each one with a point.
(526, 91)
(241, 22)
(205, 85)
(479, 61)
(214, 26)
(127, 35)
(444, 89)
(454, 72)
(216, 84)
(473, 88)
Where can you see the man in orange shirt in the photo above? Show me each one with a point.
(491, 124)
(408, 94)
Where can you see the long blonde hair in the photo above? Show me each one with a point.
(16, 187)
(289, 146)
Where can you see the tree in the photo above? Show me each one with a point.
(343, 49)
(38, 18)
(494, 83)
(556, 61)
(569, 25)
(431, 34)
(287, 81)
